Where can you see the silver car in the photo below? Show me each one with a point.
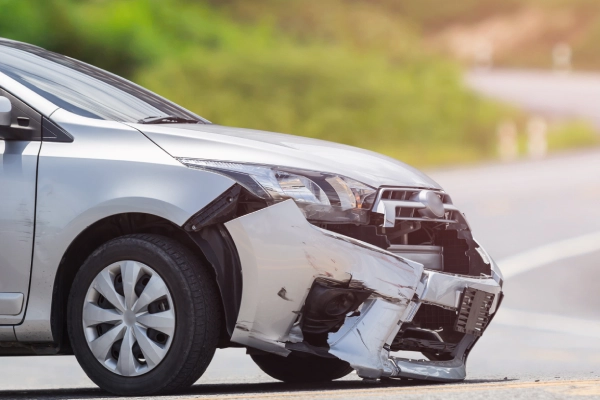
(140, 237)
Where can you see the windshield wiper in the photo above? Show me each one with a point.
(168, 119)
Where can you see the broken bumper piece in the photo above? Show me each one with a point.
(311, 290)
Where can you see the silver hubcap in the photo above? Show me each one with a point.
(129, 318)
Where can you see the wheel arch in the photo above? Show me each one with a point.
(210, 245)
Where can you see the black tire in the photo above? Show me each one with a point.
(302, 368)
(197, 312)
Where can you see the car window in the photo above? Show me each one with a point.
(81, 88)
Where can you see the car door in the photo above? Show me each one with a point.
(18, 174)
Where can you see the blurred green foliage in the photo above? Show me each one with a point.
(334, 70)
(572, 135)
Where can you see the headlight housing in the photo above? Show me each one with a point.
(322, 197)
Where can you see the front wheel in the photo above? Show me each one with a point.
(302, 368)
(144, 316)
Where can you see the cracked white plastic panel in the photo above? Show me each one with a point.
(281, 255)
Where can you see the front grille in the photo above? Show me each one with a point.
(408, 193)
(474, 313)
(437, 224)
(400, 204)
(434, 318)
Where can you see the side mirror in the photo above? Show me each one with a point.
(5, 111)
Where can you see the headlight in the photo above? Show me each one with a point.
(322, 197)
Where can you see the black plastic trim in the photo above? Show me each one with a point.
(54, 133)
(26, 123)
(220, 251)
(219, 210)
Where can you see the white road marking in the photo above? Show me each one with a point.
(547, 322)
(540, 257)
(549, 253)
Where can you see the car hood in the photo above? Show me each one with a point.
(214, 142)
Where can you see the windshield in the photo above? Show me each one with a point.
(83, 89)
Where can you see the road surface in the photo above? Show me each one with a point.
(547, 329)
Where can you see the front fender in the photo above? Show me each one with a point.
(108, 169)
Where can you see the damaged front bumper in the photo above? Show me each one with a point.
(311, 290)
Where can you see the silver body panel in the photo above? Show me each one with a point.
(7, 333)
(11, 303)
(18, 166)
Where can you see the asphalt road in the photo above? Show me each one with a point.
(539, 219)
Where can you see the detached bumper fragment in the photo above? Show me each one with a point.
(311, 290)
